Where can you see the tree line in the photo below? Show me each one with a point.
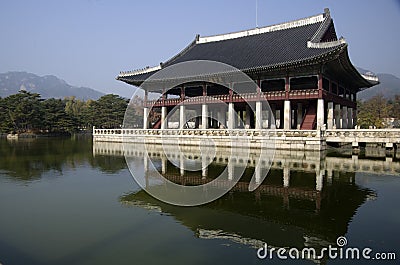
(27, 112)
(379, 112)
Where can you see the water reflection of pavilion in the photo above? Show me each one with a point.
(305, 200)
(373, 161)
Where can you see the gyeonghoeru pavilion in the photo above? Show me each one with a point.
(301, 67)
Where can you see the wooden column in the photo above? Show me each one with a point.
(320, 88)
(230, 92)
(163, 96)
(182, 93)
(287, 87)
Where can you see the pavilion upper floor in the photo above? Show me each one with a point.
(302, 87)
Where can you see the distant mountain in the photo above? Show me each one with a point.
(48, 86)
(389, 87)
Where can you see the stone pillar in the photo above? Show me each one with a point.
(278, 119)
(222, 118)
(182, 116)
(248, 114)
(219, 118)
(320, 113)
(355, 118)
(164, 121)
(350, 118)
(145, 118)
(286, 176)
(344, 118)
(299, 115)
(204, 116)
(231, 116)
(337, 116)
(287, 115)
(268, 118)
(272, 123)
(258, 123)
(210, 119)
(330, 116)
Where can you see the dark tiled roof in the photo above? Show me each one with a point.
(267, 48)
(257, 50)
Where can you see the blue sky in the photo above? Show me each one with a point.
(88, 42)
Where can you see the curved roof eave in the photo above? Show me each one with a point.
(349, 67)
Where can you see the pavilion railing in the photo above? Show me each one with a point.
(364, 135)
(332, 135)
(210, 132)
(271, 95)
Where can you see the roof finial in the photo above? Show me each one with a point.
(327, 12)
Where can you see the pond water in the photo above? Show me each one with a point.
(71, 201)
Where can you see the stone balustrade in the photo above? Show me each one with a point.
(210, 132)
(256, 138)
(391, 136)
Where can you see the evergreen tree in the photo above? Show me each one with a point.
(56, 119)
(23, 112)
(108, 111)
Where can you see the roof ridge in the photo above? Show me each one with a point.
(322, 29)
(275, 27)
